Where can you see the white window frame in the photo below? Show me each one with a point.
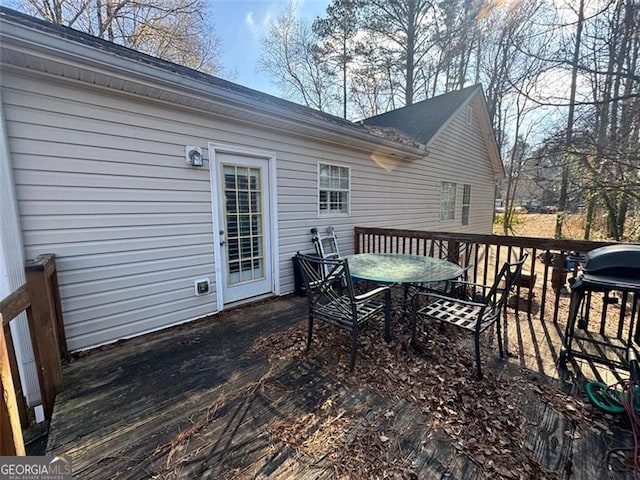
(466, 204)
(329, 213)
(468, 116)
(448, 201)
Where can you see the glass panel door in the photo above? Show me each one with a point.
(244, 224)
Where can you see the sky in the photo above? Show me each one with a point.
(241, 25)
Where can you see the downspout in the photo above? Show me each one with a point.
(12, 264)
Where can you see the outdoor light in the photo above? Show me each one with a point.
(193, 155)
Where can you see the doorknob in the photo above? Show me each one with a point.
(222, 240)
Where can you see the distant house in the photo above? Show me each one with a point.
(102, 145)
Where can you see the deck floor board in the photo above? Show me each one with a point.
(196, 402)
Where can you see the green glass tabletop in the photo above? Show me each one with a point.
(400, 268)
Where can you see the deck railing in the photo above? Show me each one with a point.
(544, 275)
(39, 298)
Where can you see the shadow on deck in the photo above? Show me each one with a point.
(236, 396)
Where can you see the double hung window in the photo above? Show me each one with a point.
(333, 190)
(466, 204)
(448, 201)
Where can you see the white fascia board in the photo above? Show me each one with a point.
(489, 135)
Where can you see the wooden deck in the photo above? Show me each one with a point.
(205, 400)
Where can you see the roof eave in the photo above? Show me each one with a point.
(490, 139)
(42, 45)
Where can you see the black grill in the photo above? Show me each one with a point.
(616, 267)
(613, 271)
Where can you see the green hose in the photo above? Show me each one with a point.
(598, 395)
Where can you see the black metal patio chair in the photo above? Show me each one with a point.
(461, 254)
(476, 315)
(332, 299)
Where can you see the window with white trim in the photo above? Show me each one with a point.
(448, 201)
(468, 116)
(466, 203)
(333, 189)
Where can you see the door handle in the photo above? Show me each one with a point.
(222, 240)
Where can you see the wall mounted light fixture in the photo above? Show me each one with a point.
(193, 156)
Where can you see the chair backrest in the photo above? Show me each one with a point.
(326, 243)
(460, 253)
(327, 280)
(496, 299)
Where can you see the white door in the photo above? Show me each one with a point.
(244, 226)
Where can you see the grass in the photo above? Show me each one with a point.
(543, 225)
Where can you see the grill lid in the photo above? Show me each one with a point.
(615, 266)
(614, 260)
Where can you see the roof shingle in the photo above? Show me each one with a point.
(422, 120)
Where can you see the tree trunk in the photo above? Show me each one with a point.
(562, 202)
(344, 78)
(410, 50)
(588, 224)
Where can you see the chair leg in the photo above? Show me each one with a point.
(354, 347)
(387, 316)
(309, 332)
(414, 327)
(414, 318)
(478, 364)
(499, 328)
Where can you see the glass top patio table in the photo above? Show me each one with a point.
(401, 268)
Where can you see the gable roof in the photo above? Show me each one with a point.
(424, 120)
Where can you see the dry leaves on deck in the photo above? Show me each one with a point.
(482, 419)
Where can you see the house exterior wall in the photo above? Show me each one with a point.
(102, 183)
(462, 158)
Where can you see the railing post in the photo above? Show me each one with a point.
(44, 328)
(11, 441)
(17, 386)
(453, 251)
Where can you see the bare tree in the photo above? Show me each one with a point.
(403, 33)
(291, 56)
(458, 35)
(337, 33)
(372, 90)
(605, 57)
(562, 201)
(174, 30)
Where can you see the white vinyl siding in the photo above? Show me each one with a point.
(129, 222)
(461, 157)
(102, 183)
